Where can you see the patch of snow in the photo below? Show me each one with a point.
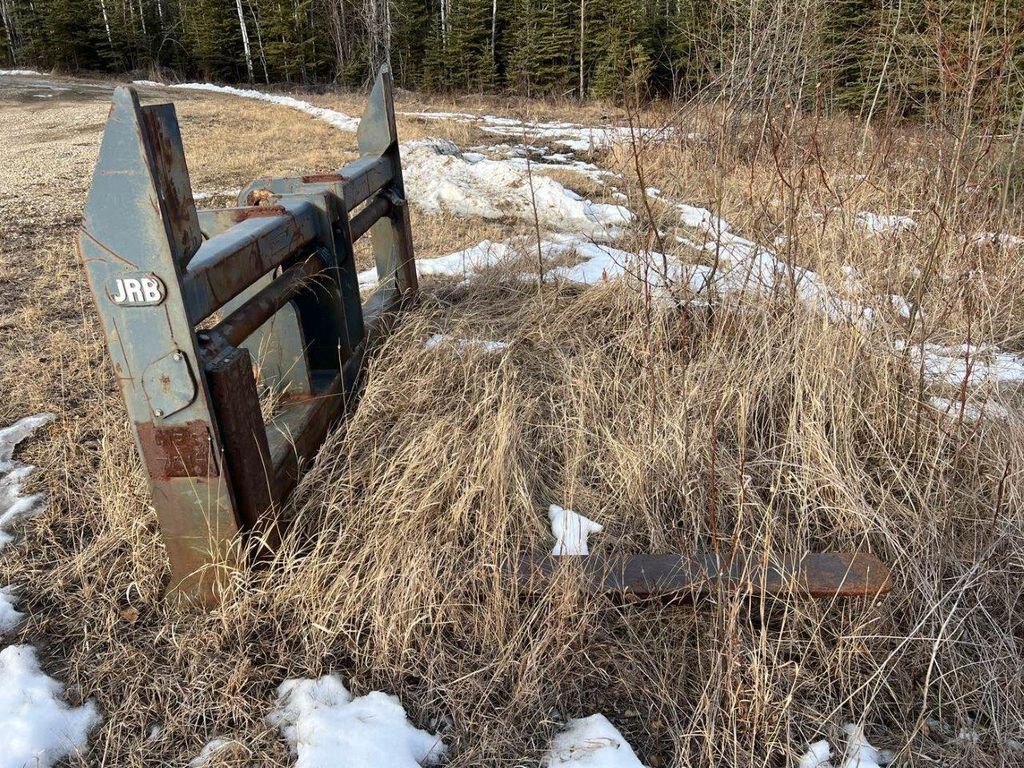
(327, 728)
(590, 742)
(207, 195)
(12, 474)
(214, 746)
(459, 264)
(575, 136)
(463, 345)
(38, 727)
(439, 178)
(817, 756)
(859, 752)
(21, 72)
(972, 411)
(571, 530)
(9, 617)
(995, 240)
(335, 119)
(970, 364)
(881, 223)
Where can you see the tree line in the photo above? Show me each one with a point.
(899, 55)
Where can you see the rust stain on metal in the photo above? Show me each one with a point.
(177, 451)
(323, 178)
(257, 212)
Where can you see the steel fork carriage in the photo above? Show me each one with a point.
(278, 274)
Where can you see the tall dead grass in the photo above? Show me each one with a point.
(755, 424)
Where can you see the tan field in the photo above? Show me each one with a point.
(749, 422)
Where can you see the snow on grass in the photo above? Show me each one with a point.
(591, 742)
(440, 340)
(12, 474)
(995, 240)
(37, 728)
(209, 751)
(335, 119)
(438, 177)
(880, 223)
(858, 754)
(819, 754)
(972, 365)
(571, 531)
(202, 196)
(460, 264)
(20, 72)
(540, 160)
(971, 411)
(327, 728)
(9, 617)
(575, 136)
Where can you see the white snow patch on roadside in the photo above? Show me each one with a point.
(12, 474)
(590, 742)
(438, 178)
(881, 223)
(10, 618)
(38, 727)
(335, 119)
(463, 345)
(327, 728)
(571, 530)
(20, 72)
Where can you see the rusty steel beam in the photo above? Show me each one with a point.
(243, 322)
(822, 575)
(368, 216)
(228, 263)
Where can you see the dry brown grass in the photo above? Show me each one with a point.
(791, 433)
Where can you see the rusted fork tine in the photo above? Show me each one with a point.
(824, 575)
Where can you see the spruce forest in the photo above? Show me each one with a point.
(845, 54)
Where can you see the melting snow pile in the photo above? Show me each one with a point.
(25, 72)
(12, 504)
(577, 137)
(327, 728)
(459, 264)
(859, 752)
(9, 617)
(338, 120)
(571, 530)
(591, 742)
(37, 727)
(438, 177)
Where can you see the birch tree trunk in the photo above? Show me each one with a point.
(582, 39)
(245, 39)
(106, 23)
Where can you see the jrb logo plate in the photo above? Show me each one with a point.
(136, 289)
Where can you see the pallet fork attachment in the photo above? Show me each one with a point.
(279, 272)
(197, 306)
